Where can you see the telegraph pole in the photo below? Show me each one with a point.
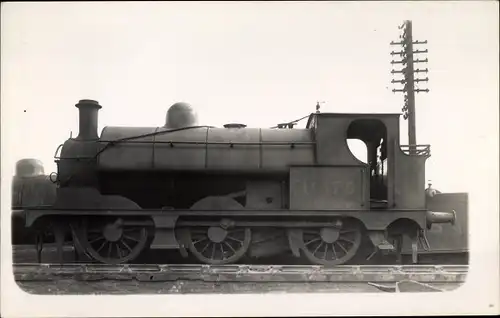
(407, 61)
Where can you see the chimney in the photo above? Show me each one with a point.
(89, 110)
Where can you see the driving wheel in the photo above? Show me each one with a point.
(112, 240)
(216, 245)
(331, 245)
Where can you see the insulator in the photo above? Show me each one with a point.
(422, 90)
(421, 61)
(421, 71)
(397, 53)
(422, 79)
(420, 42)
(420, 51)
(396, 43)
(398, 71)
(398, 81)
(405, 115)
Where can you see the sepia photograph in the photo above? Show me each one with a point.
(197, 156)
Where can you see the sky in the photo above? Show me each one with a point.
(256, 63)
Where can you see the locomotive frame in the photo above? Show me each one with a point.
(322, 196)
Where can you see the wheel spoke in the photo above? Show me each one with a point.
(326, 251)
(102, 245)
(221, 250)
(130, 238)
(206, 246)
(100, 237)
(234, 239)
(110, 249)
(342, 247)
(346, 240)
(229, 245)
(213, 251)
(126, 245)
(317, 248)
(334, 251)
(200, 240)
(118, 250)
(313, 240)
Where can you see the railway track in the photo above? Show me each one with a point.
(138, 278)
(449, 274)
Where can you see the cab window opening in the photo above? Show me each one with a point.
(373, 134)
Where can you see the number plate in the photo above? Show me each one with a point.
(327, 188)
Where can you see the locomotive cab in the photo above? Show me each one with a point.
(380, 133)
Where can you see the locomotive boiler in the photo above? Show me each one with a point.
(232, 193)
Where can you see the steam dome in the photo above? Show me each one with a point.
(181, 115)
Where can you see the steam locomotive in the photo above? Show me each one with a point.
(223, 195)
